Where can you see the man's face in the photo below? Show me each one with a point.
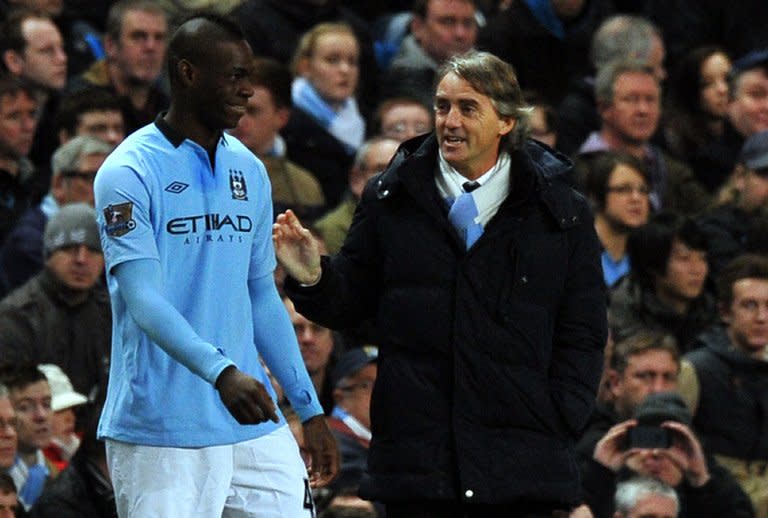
(7, 434)
(76, 266)
(404, 121)
(261, 123)
(468, 127)
(77, 186)
(449, 28)
(654, 506)
(354, 394)
(648, 372)
(686, 273)
(140, 49)
(18, 120)
(8, 503)
(747, 316)
(652, 464)
(748, 111)
(106, 125)
(33, 415)
(633, 115)
(222, 84)
(656, 57)
(315, 341)
(44, 59)
(333, 67)
(627, 204)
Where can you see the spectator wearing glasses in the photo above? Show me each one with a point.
(350, 420)
(372, 158)
(402, 118)
(617, 187)
(62, 315)
(74, 166)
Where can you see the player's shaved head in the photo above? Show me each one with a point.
(196, 38)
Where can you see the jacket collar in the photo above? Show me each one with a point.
(537, 170)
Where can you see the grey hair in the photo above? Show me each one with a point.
(362, 151)
(629, 493)
(67, 156)
(607, 76)
(623, 37)
(496, 79)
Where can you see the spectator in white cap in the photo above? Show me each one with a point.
(64, 399)
(62, 315)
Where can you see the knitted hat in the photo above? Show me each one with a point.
(63, 395)
(663, 406)
(754, 152)
(353, 361)
(753, 59)
(73, 224)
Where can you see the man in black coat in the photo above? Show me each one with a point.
(491, 327)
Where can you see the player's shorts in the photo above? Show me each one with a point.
(263, 477)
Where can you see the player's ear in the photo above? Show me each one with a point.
(186, 72)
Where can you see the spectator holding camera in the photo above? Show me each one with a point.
(658, 443)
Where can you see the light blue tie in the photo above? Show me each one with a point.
(462, 216)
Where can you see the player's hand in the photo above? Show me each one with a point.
(610, 450)
(297, 249)
(246, 399)
(323, 451)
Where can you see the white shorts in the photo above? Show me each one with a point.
(263, 477)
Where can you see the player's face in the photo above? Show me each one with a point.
(223, 85)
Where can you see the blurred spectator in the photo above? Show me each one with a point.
(18, 120)
(728, 384)
(740, 225)
(93, 111)
(33, 49)
(645, 498)
(267, 113)
(84, 489)
(325, 128)
(64, 439)
(618, 38)
(664, 290)
(543, 119)
(8, 497)
(440, 29)
(8, 439)
(135, 45)
(644, 363)
(617, 187)
(350, 420)
(275, 27)
(558, 33)
(317, 346)
(348, 505)
(372, 158)
(687, 24)
(74, 167)
(62, 315)
(748, 109)
(402, 118)
(695, 113)
(629, 102)
(704, 488)
(31, 399)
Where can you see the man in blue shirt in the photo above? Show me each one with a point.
(185, 218)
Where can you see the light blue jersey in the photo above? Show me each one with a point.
(210, 230)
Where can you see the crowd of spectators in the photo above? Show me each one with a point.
(662, 106)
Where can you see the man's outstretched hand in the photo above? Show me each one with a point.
(246, 398)
(297, 249)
